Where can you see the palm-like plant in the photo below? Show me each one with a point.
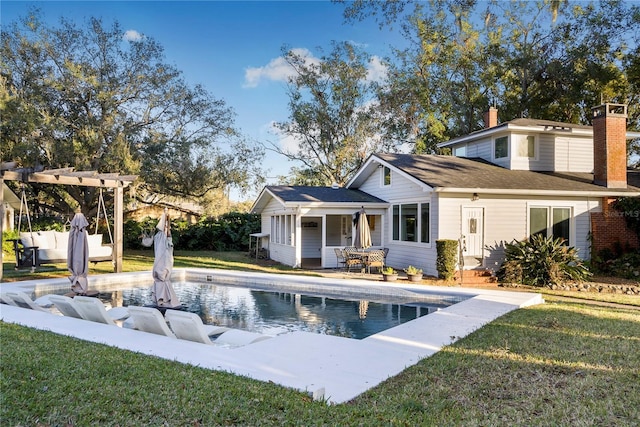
(541, 261)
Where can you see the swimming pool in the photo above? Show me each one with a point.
(273, 312)
(329, 367)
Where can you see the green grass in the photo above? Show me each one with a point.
(564, 363)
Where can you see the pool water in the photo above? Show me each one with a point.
(274, 312)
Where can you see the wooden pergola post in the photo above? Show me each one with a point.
(118, 228)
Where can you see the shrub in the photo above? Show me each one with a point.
(625, 265)
(229, 232)
(541, 261)
(447, 258)
(629, 207)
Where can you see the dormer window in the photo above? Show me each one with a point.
(527, 147)
(501, 147)
(386, 176)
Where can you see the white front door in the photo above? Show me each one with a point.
(473, 234)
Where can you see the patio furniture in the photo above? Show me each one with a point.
(341, 257)
(375, 258)
(353, 258)
(150, 320)
(91, 308)
(65, 305)
(189, 326)
(23, 300)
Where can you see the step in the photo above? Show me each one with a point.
(475, 277)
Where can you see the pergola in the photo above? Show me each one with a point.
(67, 176)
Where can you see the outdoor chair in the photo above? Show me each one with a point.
(92, 309)
(23, 300)
(375, 259)
(341, 257)
(189, 326)
(65, 305)
(352, 259)
(5, 299)
(148, 319)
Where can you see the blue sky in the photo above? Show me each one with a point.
(232, 48)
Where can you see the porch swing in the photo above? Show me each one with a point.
(51, 246)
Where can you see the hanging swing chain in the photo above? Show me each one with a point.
(23, 202)
(104, 211)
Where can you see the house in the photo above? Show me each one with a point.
(502, 183)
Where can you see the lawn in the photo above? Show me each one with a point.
(567, 362)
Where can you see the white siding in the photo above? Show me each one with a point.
(481, 149)
(283, 253)
(573, 155)
(400, 187)
(403, 254)
(581, 155)
(545, 153)
(505, 220)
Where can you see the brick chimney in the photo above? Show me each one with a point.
(610, 145)
(491, 118)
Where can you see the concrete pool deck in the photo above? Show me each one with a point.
(332, 368)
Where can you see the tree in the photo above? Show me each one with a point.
(549, 59)
(441, 84)
(332, 115)
(89, 98)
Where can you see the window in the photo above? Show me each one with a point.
(527, 147)
(386, 176)
(283, 229)
(501, 147)
(425, 229)
(411, 223)
(551, 222)
(460, 151)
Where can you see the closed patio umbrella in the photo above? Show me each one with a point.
(78, 254)
(363, 232)
(162, 291)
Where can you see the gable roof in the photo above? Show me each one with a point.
(459, 174)
(305, 195)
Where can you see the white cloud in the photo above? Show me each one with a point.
(276, 70)
(286, 143)
(376, 70)
(132, 36)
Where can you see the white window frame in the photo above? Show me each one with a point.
(418, 231)
(460, 150)
(525, 139)
(383, 173)
(493, 146)
(550, 207)
(283, 229)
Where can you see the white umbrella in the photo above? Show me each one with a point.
(78, 254)
(363, 232)
(162, 292)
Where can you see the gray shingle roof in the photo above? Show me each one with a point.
(456, 172)
(303, 193)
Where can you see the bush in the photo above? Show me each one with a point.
(229, 232)
(625, 265)
(629, 208)
(447, 258)
(541, 261)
